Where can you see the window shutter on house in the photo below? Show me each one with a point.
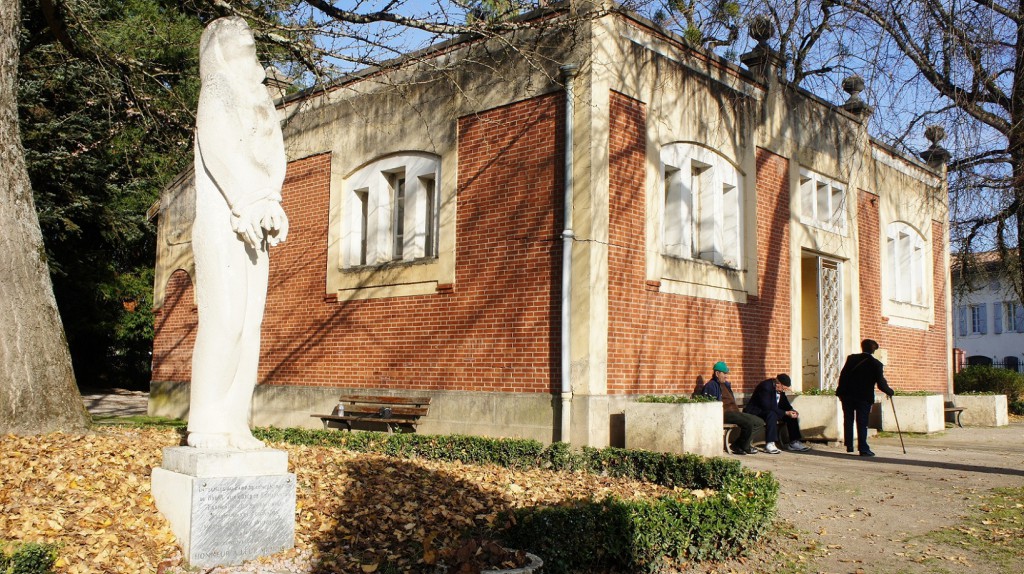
(997, 318)
(963, 320)
(1018, 319)
(983, 318)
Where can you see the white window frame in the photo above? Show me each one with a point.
(702, 195)
(823, 202)
(907, 252)
(386, 221)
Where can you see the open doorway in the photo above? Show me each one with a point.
(821, 323)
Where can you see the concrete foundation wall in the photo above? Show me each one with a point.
(510, 415)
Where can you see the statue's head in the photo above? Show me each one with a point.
(227, 46)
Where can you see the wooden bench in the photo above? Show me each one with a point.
(394, 413)
(957, 411)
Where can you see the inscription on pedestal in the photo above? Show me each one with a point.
(239, 518)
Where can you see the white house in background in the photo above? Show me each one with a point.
(988, 321)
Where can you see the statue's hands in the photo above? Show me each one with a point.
(275, 223)
(263, 219)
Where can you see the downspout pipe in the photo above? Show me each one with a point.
(568, 237)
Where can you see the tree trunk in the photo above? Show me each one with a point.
(37, 386)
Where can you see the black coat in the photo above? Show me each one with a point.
(763, 402)
(858, 378)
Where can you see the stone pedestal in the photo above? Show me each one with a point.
(226, 506)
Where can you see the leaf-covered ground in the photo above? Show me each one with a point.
(356, 512)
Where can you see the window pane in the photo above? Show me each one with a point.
(398, 221)
(824, 196)
(701, 178)
(676, 211)
(363, 198)
(430, 217)
(807, 201)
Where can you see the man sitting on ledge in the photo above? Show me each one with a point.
(770, 403)
(719, 388)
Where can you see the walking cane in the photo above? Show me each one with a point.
(897, 419)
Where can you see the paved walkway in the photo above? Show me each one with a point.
(116, 402)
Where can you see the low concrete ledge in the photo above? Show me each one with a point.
(983, 410)
(675, 427)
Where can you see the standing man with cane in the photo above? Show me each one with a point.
(856, 391)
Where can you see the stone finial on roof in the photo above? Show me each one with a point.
(854, 85)
(935, 155)
(762, 60)
(277, 83)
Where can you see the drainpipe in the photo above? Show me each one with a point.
(569, 73)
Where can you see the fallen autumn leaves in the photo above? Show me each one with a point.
(355, 512)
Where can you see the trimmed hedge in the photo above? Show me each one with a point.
(987, 379)
(673, 399)
(648, 535)
(720, 510)
(28, 558)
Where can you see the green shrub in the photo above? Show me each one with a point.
(819, 392)
(634, 536)
(983, 378)
(676, 399)
(28, 558)
(914, 393)
(647, 535)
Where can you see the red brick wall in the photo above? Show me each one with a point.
(659, 342)
(917, 358)
(175, 324)
(497, 330)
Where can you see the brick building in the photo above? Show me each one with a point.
(534, 231)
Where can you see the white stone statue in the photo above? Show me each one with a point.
(239, 167)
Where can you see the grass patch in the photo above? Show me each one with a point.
(138, 421)
(994, 532)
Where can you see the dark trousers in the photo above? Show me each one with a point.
(747, 424)
(856, 410)
(771, 428)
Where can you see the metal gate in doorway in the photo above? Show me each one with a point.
(830, 312)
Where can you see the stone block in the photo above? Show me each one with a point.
(983, 410)
(915, 413)
(821, 417)
(226, 507)
(675, 427)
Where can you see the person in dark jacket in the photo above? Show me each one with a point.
(856, 391)
(719, 388)
(769, 402)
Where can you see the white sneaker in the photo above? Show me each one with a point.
(770, 448)
(798, 446)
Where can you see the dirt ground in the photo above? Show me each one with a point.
(868, 514)
(852, 514)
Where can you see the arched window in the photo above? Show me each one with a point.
(907, 252)
(703, 217)
(391, 210)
